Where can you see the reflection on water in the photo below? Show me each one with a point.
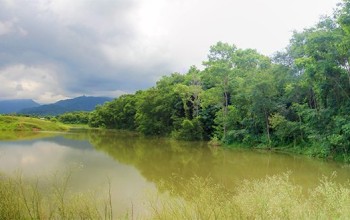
(135, 164)
(23, 135)
(161, 159)
(91, 170)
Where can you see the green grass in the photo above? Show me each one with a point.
(33, 199)
(17, 123)
(274, 197)
(78, 126)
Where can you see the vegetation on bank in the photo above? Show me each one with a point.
(19, 123)
(275, 197)
(298, 98)
(26, 199)
(74, 118)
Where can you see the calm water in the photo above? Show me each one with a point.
(136, 165)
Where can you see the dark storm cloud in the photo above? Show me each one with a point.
(90, 48)
(54, 49)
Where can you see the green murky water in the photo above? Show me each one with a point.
(135, 165)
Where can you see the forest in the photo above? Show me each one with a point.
(296, 99)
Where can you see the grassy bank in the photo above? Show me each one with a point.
(275, 197)
(18, 123)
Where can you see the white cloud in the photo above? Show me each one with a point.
(5, 27)
(20, 81)
(109, 93)
(99, 47)
(188, 27)
(10, 26)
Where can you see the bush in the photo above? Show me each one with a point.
(190, 130)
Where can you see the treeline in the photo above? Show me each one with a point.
(79, 117)
(299, 97)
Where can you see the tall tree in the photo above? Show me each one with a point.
(218, 73)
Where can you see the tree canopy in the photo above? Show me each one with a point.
(298, 97)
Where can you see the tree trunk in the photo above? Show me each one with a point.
(225, 115)
(267, 127)
(225, 107)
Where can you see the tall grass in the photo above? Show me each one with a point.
(275, 197)
(24, 199)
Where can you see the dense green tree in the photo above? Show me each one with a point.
(300, 97)
(102, 116)
(124, 109)
(160, 109)
(218, 75)
(74, 118)
(190, 130)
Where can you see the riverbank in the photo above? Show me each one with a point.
(19, 123)
(311, 150)
(30, 126)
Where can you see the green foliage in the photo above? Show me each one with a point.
(74, 118)
(157, 110)
(116, 114)
(299, 97)
(190, 130)
(285, 131)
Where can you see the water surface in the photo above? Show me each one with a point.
(135, 165)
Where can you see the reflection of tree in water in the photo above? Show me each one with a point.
(167, 163)
(171, 164)
(23, 135)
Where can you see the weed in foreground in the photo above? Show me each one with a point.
(275, 197)
(34, 199)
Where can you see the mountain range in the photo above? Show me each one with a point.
(29, 107)
(16, 105)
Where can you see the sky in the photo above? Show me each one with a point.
(58, 49)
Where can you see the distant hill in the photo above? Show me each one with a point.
(82, 103)
(15, 105)
(43, 110)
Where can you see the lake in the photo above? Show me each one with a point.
(136, 166)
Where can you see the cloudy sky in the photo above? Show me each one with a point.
(57, 49)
